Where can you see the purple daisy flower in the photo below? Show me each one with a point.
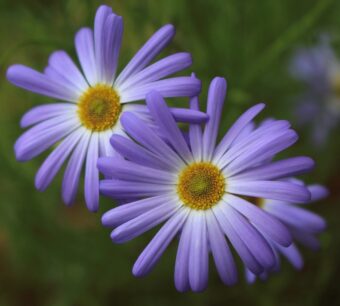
(303, 225)
(94, 100)
(319, 106)
(198, 188)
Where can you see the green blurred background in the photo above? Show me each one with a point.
(52, 255)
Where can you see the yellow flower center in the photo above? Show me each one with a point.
(201, 185)
(99, 108)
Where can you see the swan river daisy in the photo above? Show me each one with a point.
(94, 100)
(199, 189)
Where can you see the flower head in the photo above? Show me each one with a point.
(304, 225)
(95, 98)
(199, 188)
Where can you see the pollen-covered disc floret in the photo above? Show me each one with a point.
(99, 108)
(201, 185)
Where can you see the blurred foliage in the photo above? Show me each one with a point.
(56, 256)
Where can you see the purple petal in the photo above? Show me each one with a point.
(55, 160)
(216, 96)
(276, 190)
(47, 111)
(258, 136)
(126, 212)
(262, 150)
(267, 224)
(73, 170)
(104, 41)
(141, 133)
(305, 238)
(179, 114)
(254, 241)
(91, 183)
(167, 124)
(63, 65)
(297, 217)
(279, 169)
(85, 50)
(293, 255)
(144, 222)
(236, 129)
(128, 190)
(250, 277)
(171, 87)
(37, 82)
(157, 42)
(112, 36)
(223, 258)
(187, 115)
(195, 131)
(318, 192)
(42, 136)
(154, 250)
(182, 258)
(137, 153)
(241, 248)
(125, 170)
(199, 254)
(105, 148)
(159, 70)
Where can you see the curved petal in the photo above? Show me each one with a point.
(236, 129)
(182, 258)
(159, 70)
(276, 190)
(241, 248)
(137, 154)
(29, 79)
(144, 222)
(91, 182)
(127, 190)
(156, 43)
(113, 33)
(199, 254)
(297, 217)
(262, 150)
(45, 112)
(85, 50)
(279, 169)
(55, 160)
(143, 134)
(154, 250)
(171, 87)
(254, 241)
(63, 65)
(42, 136)
(318, 192)
(129, 211)
(162, 116)
(73, 170)
(223, 258)
(216, 96)
(125, 170)
(293, 255)
(267, 224)
(260, 136)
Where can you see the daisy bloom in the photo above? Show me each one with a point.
(198, 188)
(93, 101)
(303, 224)
(318, 68)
